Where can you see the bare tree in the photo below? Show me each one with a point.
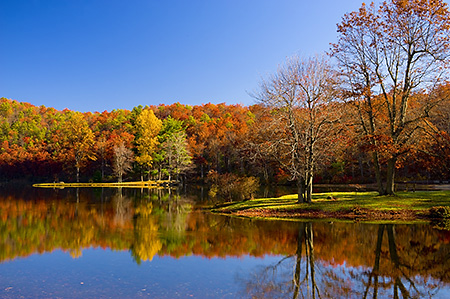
(256, 147)
(123, 159)
(386, 55)
(302, 96)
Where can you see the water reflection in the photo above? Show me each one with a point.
(404, 261)
(316, 259)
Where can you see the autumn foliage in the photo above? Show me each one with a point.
(40, 143)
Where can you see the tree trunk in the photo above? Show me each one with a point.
(301, 196)
(376, 162)
(309, 187)
(103, 168)
(361, 168)
(266, 174)
(390, 175)
(78, 174)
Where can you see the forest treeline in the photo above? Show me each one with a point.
(40, 143)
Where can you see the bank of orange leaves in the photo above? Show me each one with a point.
(223, 137)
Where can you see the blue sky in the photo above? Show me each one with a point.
(96, 55)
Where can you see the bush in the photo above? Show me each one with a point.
(440, 212)
(230, 186)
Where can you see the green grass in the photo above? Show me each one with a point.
(419, 202)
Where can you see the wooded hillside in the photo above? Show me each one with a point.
(42, 144)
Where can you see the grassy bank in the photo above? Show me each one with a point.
(138, 184)
(343, 205)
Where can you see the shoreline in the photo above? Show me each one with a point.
(137, 184)
(346, 206)
(362, 216)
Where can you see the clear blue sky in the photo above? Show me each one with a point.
(95, 55)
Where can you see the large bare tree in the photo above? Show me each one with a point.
(387, 54)
(123, 160)
(302, 97)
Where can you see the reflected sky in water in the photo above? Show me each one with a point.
(113, 274)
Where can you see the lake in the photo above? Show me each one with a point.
(133, 243)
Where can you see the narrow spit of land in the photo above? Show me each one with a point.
(137, 184)
(362, 206)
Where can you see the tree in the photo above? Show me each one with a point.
(302, 95)
(123, 158)
(176, 154)
(78, 140)
(147, 129)
(388, 54)
(166, 156)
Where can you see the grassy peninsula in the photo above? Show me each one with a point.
(362, 206)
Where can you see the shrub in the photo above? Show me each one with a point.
(440, 212)
(230, 186)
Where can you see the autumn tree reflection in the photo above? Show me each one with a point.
(146, 243)
(310, 260)
(294, 276)
(305, 236)
(123, 208)
(396, 264)
(381, 261)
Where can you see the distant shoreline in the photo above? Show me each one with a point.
(137, 184)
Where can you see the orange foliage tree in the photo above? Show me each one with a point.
(388, 54)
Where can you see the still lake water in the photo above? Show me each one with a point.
(106, 243)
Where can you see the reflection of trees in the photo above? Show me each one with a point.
(409, 265)
(146, 242)
(373, 276)
(404, 264)
(123, 209)
(159, 225)
(320, 260)
(172, 213)
(306, 236)
(278, 280)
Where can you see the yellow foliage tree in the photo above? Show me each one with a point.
(79, 140)
(147, 129)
